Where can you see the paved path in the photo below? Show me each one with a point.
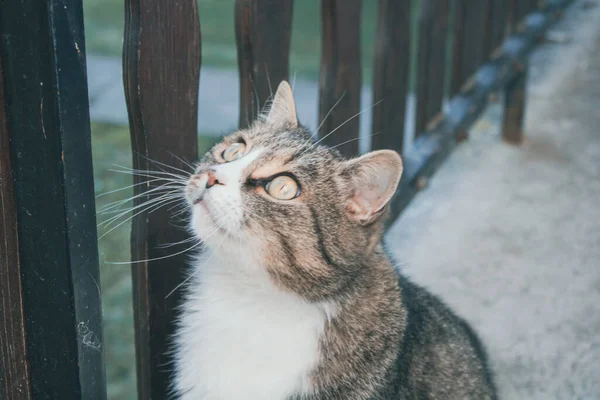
(510, 236)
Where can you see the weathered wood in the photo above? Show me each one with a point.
(14, 371)
(390, 74)
(161, 76)
(263, 33)
(340, 77)
(514, 107)
(469, 40)
(431, 70)
(47, 120)
(499, 21)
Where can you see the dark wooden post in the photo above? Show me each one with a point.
(14, 370)
(514, 107)
(341, 78)
(263, 32)
(161, 64)
(390, 74)
(515, 91)
(50, 300)
(431, 70)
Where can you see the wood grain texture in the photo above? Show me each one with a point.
(515, 96)
(471, 32)
(340, 77)
(431, 70)
(47, 118)
(14, 370)
(161, 58)
(499, 22)
(263, 34)
(390, 74)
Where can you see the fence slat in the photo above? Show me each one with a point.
(499, 21)
(263, 34)
(47, 120)
(431, 70)
(14, 370)
(469, 40)
(161, 75)
(340, 77)
(390, 74)
(514, 108)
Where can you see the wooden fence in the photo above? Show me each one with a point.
(50, 315)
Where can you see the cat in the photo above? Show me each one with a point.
(295, 297)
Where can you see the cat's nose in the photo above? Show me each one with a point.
(213, 179)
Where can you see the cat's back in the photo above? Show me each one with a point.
(441, 356)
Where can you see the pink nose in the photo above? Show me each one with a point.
(212, 179)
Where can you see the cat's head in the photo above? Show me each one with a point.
(297, 208)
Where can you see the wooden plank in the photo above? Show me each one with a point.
(470, 39)
(47, 118)
(340, 78)
(499, 22)
(161, 77)
(390, 74)
(14, 370)
(431, 70)
(514, 108)
(263, 34)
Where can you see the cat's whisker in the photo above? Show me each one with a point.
(167, 245)
(200, 241)
(294, 80)
(166, 196)
(153, 171)
(125, 188)
(149, 210)
(150, 174)
(329, 112)
(353, 139)
(341, 125)
(155, 258)
(193, 274)
(116, 204)
(269, 82)
(185, 162)
(253, 214)
(163, 164)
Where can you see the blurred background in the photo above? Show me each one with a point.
(509, 236)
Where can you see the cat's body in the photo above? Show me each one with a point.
(295, 297)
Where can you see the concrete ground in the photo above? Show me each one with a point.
(510, 236)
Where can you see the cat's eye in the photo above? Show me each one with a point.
(233, 152)
(283, 187)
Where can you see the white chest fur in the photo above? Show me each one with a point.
(242, 338)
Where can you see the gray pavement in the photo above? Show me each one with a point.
(510, 236)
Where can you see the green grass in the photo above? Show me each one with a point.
(111, 146)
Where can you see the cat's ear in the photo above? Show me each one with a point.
(283, 107)
(373, 180)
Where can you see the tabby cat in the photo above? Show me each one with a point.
(294, 296)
